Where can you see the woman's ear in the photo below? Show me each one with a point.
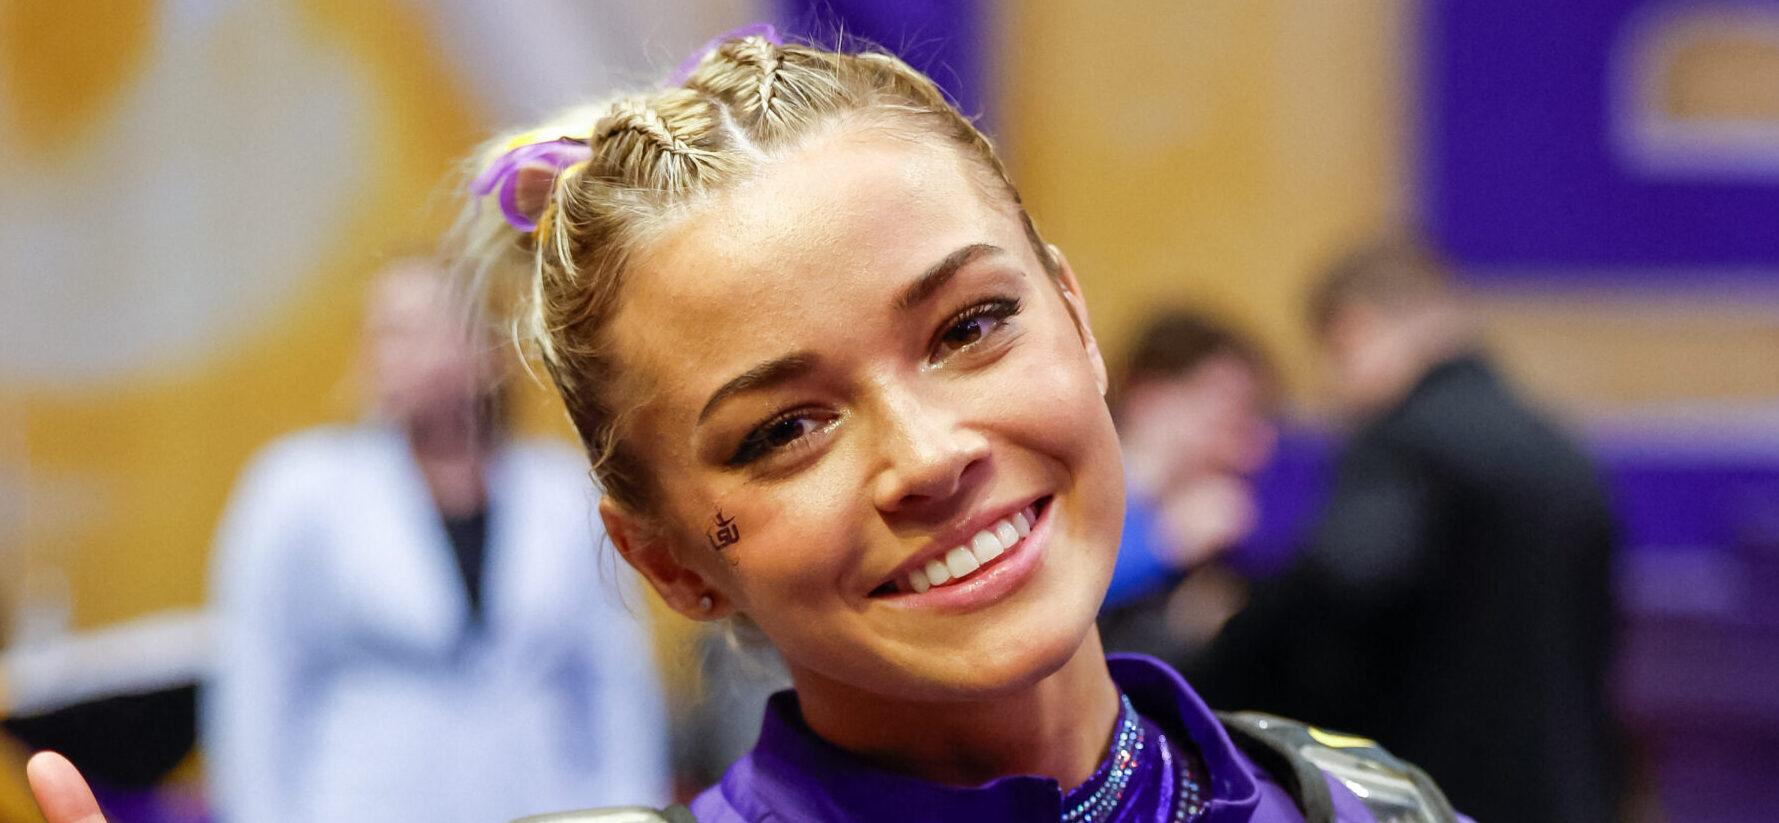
(1071, 295)
(647, 550)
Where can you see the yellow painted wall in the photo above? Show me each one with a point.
(1212, 152)
(126, 478)
(1593, 353)
(159, 448)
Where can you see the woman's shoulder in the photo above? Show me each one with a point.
(308, 449)
(1273, 764)
(303, 469)
(1270, 769)
(547, 454)
(548, 468)
(1336, 777)
(710, 806)
(744, 795)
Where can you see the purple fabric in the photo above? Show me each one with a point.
(791, 775)
(160, 805)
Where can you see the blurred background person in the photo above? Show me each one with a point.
(412, 623)
(1454, 600)
(1195, 404)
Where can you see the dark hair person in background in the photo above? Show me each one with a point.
(1194, 404)
(1454, 600)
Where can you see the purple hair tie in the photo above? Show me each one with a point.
(503, 173)
(690, 64)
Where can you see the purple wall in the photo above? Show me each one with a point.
(1529, 158)
(947, 39)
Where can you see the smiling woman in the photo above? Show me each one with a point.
(796, 289)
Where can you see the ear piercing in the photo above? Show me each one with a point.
(705, 604)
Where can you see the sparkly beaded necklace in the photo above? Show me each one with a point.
(1181, 793)
(1182, 780)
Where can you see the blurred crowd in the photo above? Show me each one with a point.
(1453, 597)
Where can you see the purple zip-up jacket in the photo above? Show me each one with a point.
(792, 776)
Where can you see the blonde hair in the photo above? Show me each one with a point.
(652, 155)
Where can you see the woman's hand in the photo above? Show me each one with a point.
(62, 794)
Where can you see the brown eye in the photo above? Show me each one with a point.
(786, 431)
(969, 331)
(778, 433)
(972, 326)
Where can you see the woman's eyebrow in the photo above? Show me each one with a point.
(792, 366)
(940, 273)
(778, 370)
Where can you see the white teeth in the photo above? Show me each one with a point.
(964, 560)
(937, 573)
(985, 547)
(961, 562)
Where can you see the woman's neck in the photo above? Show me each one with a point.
(452, 458)
(1059, 727)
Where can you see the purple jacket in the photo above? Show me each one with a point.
(791, 776)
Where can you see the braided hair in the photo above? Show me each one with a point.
(655, 154)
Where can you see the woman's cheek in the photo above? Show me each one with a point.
(1053, 393)
(798, 534)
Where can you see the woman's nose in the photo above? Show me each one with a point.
(930, 460)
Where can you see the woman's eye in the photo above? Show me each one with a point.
(974, 325)
(784, 432)
(773, 435)
(969, 331)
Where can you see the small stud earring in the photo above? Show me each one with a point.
(705, 604)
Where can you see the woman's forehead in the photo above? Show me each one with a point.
(843, 201)
(820, 241)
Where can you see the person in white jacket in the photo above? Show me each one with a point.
(413, 620)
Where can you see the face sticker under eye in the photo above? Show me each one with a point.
(723, 532)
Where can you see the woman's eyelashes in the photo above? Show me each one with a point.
(972, 326)
(785, 430)
(967, 330)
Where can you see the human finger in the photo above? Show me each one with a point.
(62, 794)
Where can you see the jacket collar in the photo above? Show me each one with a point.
(794, 775)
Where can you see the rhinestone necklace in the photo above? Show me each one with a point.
(1181, 791)
(1117, 769)
(1182, 779)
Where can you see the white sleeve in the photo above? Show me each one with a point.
(253, 711)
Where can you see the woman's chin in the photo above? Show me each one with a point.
(995, 665)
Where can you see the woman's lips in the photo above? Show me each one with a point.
(967, 558)
(994, 561)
